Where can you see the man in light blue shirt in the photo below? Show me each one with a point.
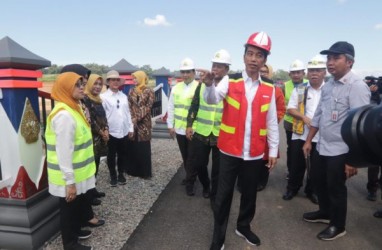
(342, 93)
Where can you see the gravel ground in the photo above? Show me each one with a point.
(125, 206)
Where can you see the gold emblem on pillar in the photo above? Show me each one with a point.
(30, 126)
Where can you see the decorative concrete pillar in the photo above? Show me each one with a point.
(29, 215)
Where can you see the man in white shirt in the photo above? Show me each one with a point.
(302, 105)
(178, 105)
(120, 126)
(249, 121)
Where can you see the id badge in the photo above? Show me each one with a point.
(334, 115)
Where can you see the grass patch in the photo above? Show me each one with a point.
(48, 78)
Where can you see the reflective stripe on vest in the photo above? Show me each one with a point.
(182, 103)
(209, 116)
(289, 86)
(232, 128)
(83, 155)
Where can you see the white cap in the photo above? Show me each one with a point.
(317, 62)
(222, 56)
(187, 64)
(296, 65)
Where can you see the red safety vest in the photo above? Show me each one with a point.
(231, 137)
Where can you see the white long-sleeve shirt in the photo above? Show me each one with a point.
(188, 91)
(213, 95)
(64, 126)
(117, 113)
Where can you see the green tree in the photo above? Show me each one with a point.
(147, 69)
(281, 75)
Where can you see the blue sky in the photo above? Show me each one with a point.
(163, 32)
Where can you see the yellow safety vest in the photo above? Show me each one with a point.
(83, 155)
(298, 125)
(182, 103)
(289, 86)
(209, 116)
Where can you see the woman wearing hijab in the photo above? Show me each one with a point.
(86, 220)
(98, 123)
(70, 158)
(141, 99)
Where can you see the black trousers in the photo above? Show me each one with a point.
(71, 216)
(230, 169)
(372, 178)
(298, 168)
(117, 148)
(184, 148)
(289, 151)
(329, 180)
(197, 164)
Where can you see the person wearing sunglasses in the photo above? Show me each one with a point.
(121, 127)
(88, 218)
(70, 158)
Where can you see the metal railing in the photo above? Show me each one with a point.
(44, 108)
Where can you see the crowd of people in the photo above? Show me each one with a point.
(85, 125)
(233, 117)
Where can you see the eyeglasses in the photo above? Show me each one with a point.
(80, 84)
(117, 104)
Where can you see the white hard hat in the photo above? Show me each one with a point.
(296, 65)
(187, 64)
(222, 56)
(317, 62)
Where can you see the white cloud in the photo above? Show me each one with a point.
(378, 26)
(159, 20)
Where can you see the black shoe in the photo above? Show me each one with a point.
(331, 233)
(98, 224)
(249, 236)
(260, 187)
(313, 198)
(206, 192)
(289, 195)
(99, 194)
(378, 214)
(372, 196)
(113, 182)
(84, 234)
(190, 190)
(95, 202)
(316, 217)
(121, 180)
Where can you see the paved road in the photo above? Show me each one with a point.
(177, 221)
